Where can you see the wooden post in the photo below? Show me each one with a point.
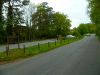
(64, 40)
(7, 50)
(39, 46)
(60, 41)
(7, 42)
(18, 46)
(55, 43)
(24, 48)
(48, 44)
(18, 42)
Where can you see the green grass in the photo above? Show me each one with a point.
(34, 50)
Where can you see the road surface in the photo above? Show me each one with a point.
(27, 44)
(79, 58)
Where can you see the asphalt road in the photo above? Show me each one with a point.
(79, 58)
(27, 44)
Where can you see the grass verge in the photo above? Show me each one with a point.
(25, 52)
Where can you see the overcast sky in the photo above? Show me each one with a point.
(75, 9)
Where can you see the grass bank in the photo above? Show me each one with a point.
(25, 52)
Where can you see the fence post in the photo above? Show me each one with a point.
(60, 41)
(55, 43)
(18, 42)
(64, 40)
(18, 46)
(24, 48)
(48, 44)
(7, 50)
(39, 46)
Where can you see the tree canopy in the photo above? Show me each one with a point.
(19, 26)
(84, 29)
(94, 12)
(47, 23)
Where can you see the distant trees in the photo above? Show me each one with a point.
(47, 23)
(84, 29)
(17, 25)
(61, 24)
(94, 12)
(75, 32)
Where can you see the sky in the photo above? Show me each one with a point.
(75, 9)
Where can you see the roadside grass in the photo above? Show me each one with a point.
(25, 52)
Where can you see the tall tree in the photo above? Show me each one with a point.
(75, 32)
(41, 19)
(61, 24)
(10, 19)
(83, 29)
(15, 17)
(2, 32)
(94, 11)
(47, 23)
(15, 13)
(1, 5)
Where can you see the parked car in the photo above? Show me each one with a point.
(70, 36)
(87, 34)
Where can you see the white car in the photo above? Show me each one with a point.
(87, 34)
(70, 36)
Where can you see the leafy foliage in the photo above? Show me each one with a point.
(61, 24)
(84, 29)
(47, 23)
(41, 20)
(94, 11)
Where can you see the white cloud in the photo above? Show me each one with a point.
(75, 9)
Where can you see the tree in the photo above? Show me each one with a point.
(26, 2)
(48, 24)
(41, 20)
(61, 24)
(75, 32)
(15, 17)
(94, 12)
(2, 31)
(82, 28)
(86, 28)
(91, 28)
(28, 11)
(10, 19)
(1, 6)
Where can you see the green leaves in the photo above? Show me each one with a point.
(94, 11)
(47, 23)
(84, 29)
(41, 19)
(61, 24)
